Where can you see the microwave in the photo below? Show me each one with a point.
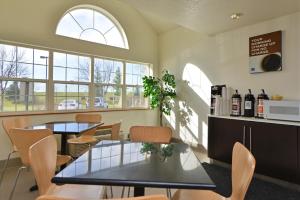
(282, 110)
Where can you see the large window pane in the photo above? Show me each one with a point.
(24, 70)
(135, 73)
(8, 52)
(59, 73)
(25, 55)
(20, 62)
(60, 59)
(108, 71)
(22, 96)
(135, 97)
(91, 25)
(69, 67)
(84, 69)
(108, 97)
(70, 96)
(40, 72)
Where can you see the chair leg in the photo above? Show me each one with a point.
(128, 192)
(169, 194)
(5, 166)
(15, 183)
(111, 192)
(123, 189)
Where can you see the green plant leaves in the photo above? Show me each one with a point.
(160, 91)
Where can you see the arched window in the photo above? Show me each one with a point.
(94, 25)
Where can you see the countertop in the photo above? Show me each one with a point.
(254, 119)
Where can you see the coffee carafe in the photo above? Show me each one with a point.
(236, 104)
(249, 105)
(260, 103)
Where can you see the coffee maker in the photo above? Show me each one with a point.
(216, 90)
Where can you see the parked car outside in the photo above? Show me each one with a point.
(98, 103)
(70, 104)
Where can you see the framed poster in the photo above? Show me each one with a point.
(265, 52)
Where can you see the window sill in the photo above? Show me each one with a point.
(15, 114)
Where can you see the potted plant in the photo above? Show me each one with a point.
(161, 92)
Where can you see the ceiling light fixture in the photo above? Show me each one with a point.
(236, 16)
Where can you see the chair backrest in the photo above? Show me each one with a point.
(243, 165)
(88, 117)
(42, 157)
(152, 197)
(24, 138)
(115, 131)
(15, 122)
(154, 134)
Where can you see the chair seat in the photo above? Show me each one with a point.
(82, 140)
(86, 192)
(62, 160)
(197, 194)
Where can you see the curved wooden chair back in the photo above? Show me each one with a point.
(15, 122)
(151, 197)
(24, 138)
(89, 118)
(154, 134)
(243, 165)
(42, 156)
(115, 131)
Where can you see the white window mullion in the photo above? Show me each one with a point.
(50, 84)
(124, 99)
(92, 84)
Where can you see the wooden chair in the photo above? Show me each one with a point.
(152, 134)
(42, 157)
(114, 130)
(155, 134)
(8, 124)
(23, 139)
(151, 197)
(86, 139)
(243, 165)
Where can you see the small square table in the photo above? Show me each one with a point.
(124, 163)
(65, 128)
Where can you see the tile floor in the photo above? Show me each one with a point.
(26, 180)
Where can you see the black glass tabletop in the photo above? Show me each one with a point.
(126, 163)
(66, 127)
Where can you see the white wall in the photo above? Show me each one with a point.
(223, 59)
(34, 22)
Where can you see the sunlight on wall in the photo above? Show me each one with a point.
(171, 119)
(198, 81)
(189, 131)
(204, 134)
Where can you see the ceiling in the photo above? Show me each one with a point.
(210, 16)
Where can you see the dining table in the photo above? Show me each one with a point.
(65, 128)
(139, 165)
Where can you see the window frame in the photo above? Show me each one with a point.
(50, 97)
(103, 12)
(28, 80)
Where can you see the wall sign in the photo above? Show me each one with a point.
(265, 52)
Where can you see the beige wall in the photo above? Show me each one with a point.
(34, 22)
(223, 59)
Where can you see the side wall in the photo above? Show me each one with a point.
(223, 59)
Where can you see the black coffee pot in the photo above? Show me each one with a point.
(249, 105)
